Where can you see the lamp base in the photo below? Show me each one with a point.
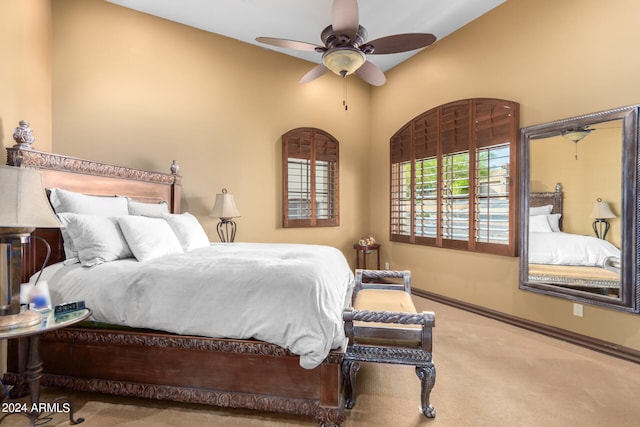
(226, 230)
(21, 320)
(601, 228)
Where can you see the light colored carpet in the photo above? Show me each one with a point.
(488, 374)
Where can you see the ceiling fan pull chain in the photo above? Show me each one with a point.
(344, 93)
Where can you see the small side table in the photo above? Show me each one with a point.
(364, 250)
(34, 365)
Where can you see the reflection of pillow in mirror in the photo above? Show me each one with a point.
(539, 224)
(540, 210)
(554, 221)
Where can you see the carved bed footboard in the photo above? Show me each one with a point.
(247, 374)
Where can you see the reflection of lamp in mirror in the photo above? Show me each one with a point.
(576, 135)
(24, 207)
(600, 212)
(225, 209)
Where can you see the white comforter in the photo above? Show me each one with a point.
(569, 249)
(287, 294)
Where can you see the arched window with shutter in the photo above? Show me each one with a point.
(310, 179)
(453, 177)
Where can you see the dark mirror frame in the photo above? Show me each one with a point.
(629, 215)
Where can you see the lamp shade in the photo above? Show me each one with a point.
(344, 60)
(601, 210)
(224, 206)
(24, 201)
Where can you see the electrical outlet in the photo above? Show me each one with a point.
(386, 265)
(577, 310)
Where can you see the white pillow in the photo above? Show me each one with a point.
(64, 201)
(554, 221)
(539, 224)
(155, 210)
(70, 251)
(540, 210)
(67, 201)
(188, 230)
(149, 238)
(97, 238)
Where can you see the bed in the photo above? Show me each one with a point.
(575, 261)
(183, 364)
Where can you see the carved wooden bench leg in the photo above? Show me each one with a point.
(427, 376)
(350, 370)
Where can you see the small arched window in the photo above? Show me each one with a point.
(310, 179)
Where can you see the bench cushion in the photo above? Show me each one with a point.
(385, 300)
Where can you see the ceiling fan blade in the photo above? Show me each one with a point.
(371, 74)
(314, 73)
(344, 17)
(401, 43)
(289, 44)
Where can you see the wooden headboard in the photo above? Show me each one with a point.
(89, 177)
(553, 198)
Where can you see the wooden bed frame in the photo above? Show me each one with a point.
(248, 374)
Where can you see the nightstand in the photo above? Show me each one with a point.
(365, 250)
(34, 409)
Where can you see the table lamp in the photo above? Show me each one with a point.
(225, 209)
(24, 207)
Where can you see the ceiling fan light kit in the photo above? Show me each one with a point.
(345, 46)
(343, 61)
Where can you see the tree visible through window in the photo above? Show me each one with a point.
(453, 172)
(310, 178)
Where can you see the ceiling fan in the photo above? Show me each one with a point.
(345, 46)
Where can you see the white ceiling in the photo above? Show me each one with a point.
(300, 20)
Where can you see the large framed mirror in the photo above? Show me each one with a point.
(579, 209)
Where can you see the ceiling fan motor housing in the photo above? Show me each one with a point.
(332, 40)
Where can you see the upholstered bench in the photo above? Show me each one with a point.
(384, 327)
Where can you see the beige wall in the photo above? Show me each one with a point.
(133, 89)
(558, 60)
(25, 74)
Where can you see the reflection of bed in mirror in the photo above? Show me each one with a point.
(574, 261)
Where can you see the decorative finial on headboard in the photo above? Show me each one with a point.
(175, 167)
(23, 135)
(558, 188)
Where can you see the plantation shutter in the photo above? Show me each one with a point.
(451, 170)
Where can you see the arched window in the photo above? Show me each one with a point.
(310, 179)
(454, 177)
